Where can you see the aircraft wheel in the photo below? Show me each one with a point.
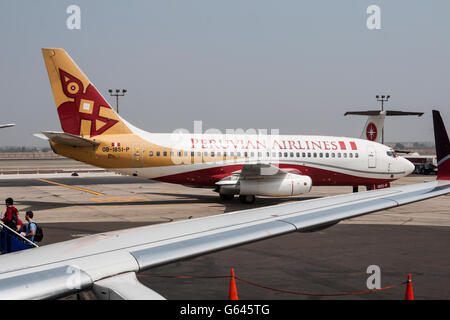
(247, 199)
(226, 197)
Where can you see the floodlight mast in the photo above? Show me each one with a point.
(117, 95)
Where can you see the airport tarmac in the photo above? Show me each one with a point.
(410, 239)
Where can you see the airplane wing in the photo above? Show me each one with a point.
(6, 125)
(108, 262)
(257, 169)
(67, 139)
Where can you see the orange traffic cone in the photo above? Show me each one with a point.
(409, 290)
(232, 295)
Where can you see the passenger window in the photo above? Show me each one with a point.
(356, 155)
(252, 154)
(212, 153)
(285, 154)
(238, 154)
(309, 154)
(151, 153)
(333, 155)
(350, 155)
(327, 155)
(345, 155)
(192, 153)
(245, 154)
(303, 154)
(205, 154)
(339, 154)
(315, 155)
(232, 154)
(158, 153)
(165, 153)
(199, 154)
(321, 155)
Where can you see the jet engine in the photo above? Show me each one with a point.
(289, 185)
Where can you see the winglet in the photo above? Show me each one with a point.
(442, 147)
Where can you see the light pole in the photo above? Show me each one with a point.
(117, 95)
(382, 99)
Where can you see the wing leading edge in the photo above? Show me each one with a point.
(47, 272)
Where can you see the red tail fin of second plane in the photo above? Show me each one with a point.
(442, 147)
(81, 108)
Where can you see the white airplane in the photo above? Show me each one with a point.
(246, 165)
(107, 263)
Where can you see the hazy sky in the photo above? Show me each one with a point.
(291, 65)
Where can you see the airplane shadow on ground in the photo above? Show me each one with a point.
(187, 199)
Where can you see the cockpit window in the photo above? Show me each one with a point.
(391, 153)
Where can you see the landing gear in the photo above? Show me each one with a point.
(355, 189)
(226, 197)
(247, 199)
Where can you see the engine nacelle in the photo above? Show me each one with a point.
(290, 185)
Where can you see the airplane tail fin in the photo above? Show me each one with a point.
(81, 108)
(442, 147)
(373, 127)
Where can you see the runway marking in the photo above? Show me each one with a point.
(118, 199)
(72, 187)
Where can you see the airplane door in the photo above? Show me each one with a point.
(138, 155)
(372, 156)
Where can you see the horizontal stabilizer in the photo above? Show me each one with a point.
(387, 113)
(7, 125)
(69, 139)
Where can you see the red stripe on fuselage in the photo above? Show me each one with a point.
(320, 177)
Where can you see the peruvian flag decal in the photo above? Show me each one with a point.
(115, 144)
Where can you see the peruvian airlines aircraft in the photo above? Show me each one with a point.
(244, 165)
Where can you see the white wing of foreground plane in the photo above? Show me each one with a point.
(107, 262)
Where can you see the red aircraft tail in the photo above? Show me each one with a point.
(442, 147)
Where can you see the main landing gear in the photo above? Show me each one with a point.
(226, 197)
(247, 199)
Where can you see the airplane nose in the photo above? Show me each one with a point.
(409, 166)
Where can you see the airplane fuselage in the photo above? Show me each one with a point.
(204, 159)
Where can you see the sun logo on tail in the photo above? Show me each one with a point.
(85, 115)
